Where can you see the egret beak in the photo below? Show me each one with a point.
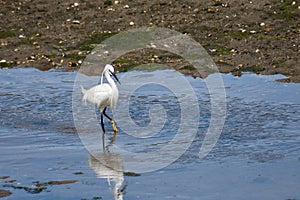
(114, 75)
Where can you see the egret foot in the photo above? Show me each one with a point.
(113, 139)
(113, 124)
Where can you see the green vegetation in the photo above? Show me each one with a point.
(217, 3)
(131, 174)
(219, 49)
(108, 2)
(266, 37)
(32, 190)
(122, 60)
(188, 67)
(169, 56)
(238, 35)
(95, 39)
(254, 69)
(6, 34)
(75, 56)
(24, 42)
(287, 10)
(7, 64)
(222, 63)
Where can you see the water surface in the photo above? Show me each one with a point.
(256, 157)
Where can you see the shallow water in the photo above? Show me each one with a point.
(256, 157)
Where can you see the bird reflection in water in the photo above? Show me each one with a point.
(109, 166)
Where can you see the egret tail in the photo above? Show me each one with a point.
(83, 92)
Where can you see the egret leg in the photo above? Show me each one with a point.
(102, 123)
(103, 133)
(113, 124)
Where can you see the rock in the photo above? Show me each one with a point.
(4, 193)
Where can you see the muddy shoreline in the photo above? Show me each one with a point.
(261, 37)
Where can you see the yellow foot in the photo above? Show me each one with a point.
(114, 137)
(113, 124)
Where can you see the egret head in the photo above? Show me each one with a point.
(110, 69)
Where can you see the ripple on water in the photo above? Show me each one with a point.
(262, 121)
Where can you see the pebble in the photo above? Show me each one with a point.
(152, 45)
(267, 30)
(209, 10)
(32, 57)
(131, 23)
(126, 6)
(76, 22)
(4, 43)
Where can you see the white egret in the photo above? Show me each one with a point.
(104, 95)
(109, 166)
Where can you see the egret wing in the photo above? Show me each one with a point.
(99, 95)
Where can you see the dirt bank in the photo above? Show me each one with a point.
(260, 36)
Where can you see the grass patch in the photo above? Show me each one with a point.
(188, 67)
(219, 49)
(222, 63)
(287, 10)
(218, 3)
(223, 51)
(108, 2)
(254, 69)
(169, 56)
(75, 56)
(266, 37)
(238, 35)
(209, 29)
(278, 62)
(131, 174)
(93, 41)
(24, 42)
(7, 64)
(122, 60)
(6, 34)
